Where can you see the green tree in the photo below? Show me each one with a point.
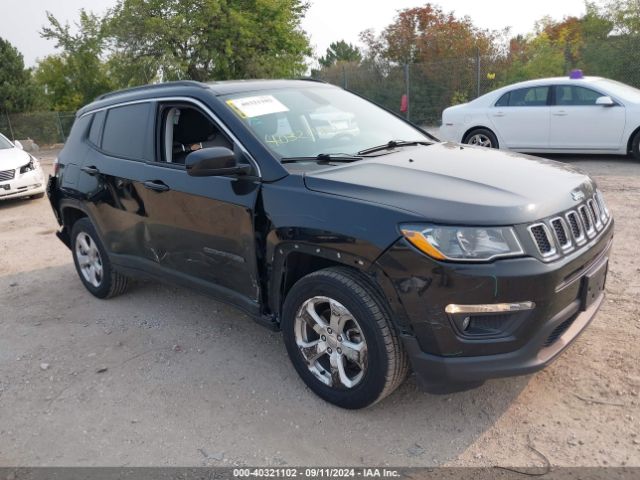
(78, 73)
(625, 15)
(17, 91)
(208, 39)
(340, 51)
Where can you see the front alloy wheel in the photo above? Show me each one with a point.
(331, 342)
(339, 335)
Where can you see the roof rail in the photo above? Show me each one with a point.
(180, 83)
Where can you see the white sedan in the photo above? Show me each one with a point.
(20, 173)
(551, 115)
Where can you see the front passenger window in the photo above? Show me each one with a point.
(185, 130)
(575, 96)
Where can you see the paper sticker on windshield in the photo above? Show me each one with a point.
(250, 107)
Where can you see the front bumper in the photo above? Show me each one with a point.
(23, 185)
(446, 359)
(439, 374)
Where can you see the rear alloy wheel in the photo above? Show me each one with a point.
(481, 137)
(338, 333)
(89, 259)
(92, 262)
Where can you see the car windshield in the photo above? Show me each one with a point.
(4, 143)
(318, 120)
(619, 89)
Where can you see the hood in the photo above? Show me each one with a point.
(12, 158)
(453, 184)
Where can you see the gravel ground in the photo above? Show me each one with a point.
(162, 376)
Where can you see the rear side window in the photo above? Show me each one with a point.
(126, 131)
(525, 97)
(96, 128)
(504, 100)
(577, 96)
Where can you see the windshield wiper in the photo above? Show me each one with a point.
(324, 158)
(393, 144)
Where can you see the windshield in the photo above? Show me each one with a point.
(622, 90)
(4, 143)
(307, 122)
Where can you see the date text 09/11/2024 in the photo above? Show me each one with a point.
(315, 472)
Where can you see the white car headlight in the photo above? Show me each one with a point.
(32, 165)
(464, 244)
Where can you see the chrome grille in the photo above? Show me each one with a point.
(541, 236)
(576, 226)
(7, 175)
(585, 216)
(595, 211)
(604, 211)
(563, 233)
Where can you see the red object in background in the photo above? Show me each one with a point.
(404, 103)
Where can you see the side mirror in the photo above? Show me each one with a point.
(18, 144)
(605, 101)
(214, 162)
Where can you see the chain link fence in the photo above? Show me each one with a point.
(44, 128)
(432, 87)
(429, 87)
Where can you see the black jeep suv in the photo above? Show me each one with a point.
(370, 244)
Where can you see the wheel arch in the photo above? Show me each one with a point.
(292, 261)
(630, 140)
(69, 215)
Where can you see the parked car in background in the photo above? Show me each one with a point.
(575, 114)
(20, 172)
(368, 251)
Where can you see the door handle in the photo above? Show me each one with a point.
(90, 170)
(156, 185)
(560, 113)
(499, 114)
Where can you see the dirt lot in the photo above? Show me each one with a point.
(192, 382)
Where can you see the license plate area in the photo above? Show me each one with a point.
(593, 284)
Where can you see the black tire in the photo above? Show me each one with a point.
(473, 136)
(635, 146)
(387, 364)
(38, 196)
(111, 283)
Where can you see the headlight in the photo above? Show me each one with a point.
(463, 243)
(32, 165)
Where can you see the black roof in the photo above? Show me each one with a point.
(227, 87)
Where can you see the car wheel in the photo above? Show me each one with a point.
(635, 146)
(338, 333)
(482, 138)
(92, 263)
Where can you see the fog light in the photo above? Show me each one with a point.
(465, 323)
(489, 307)
(494, 320)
